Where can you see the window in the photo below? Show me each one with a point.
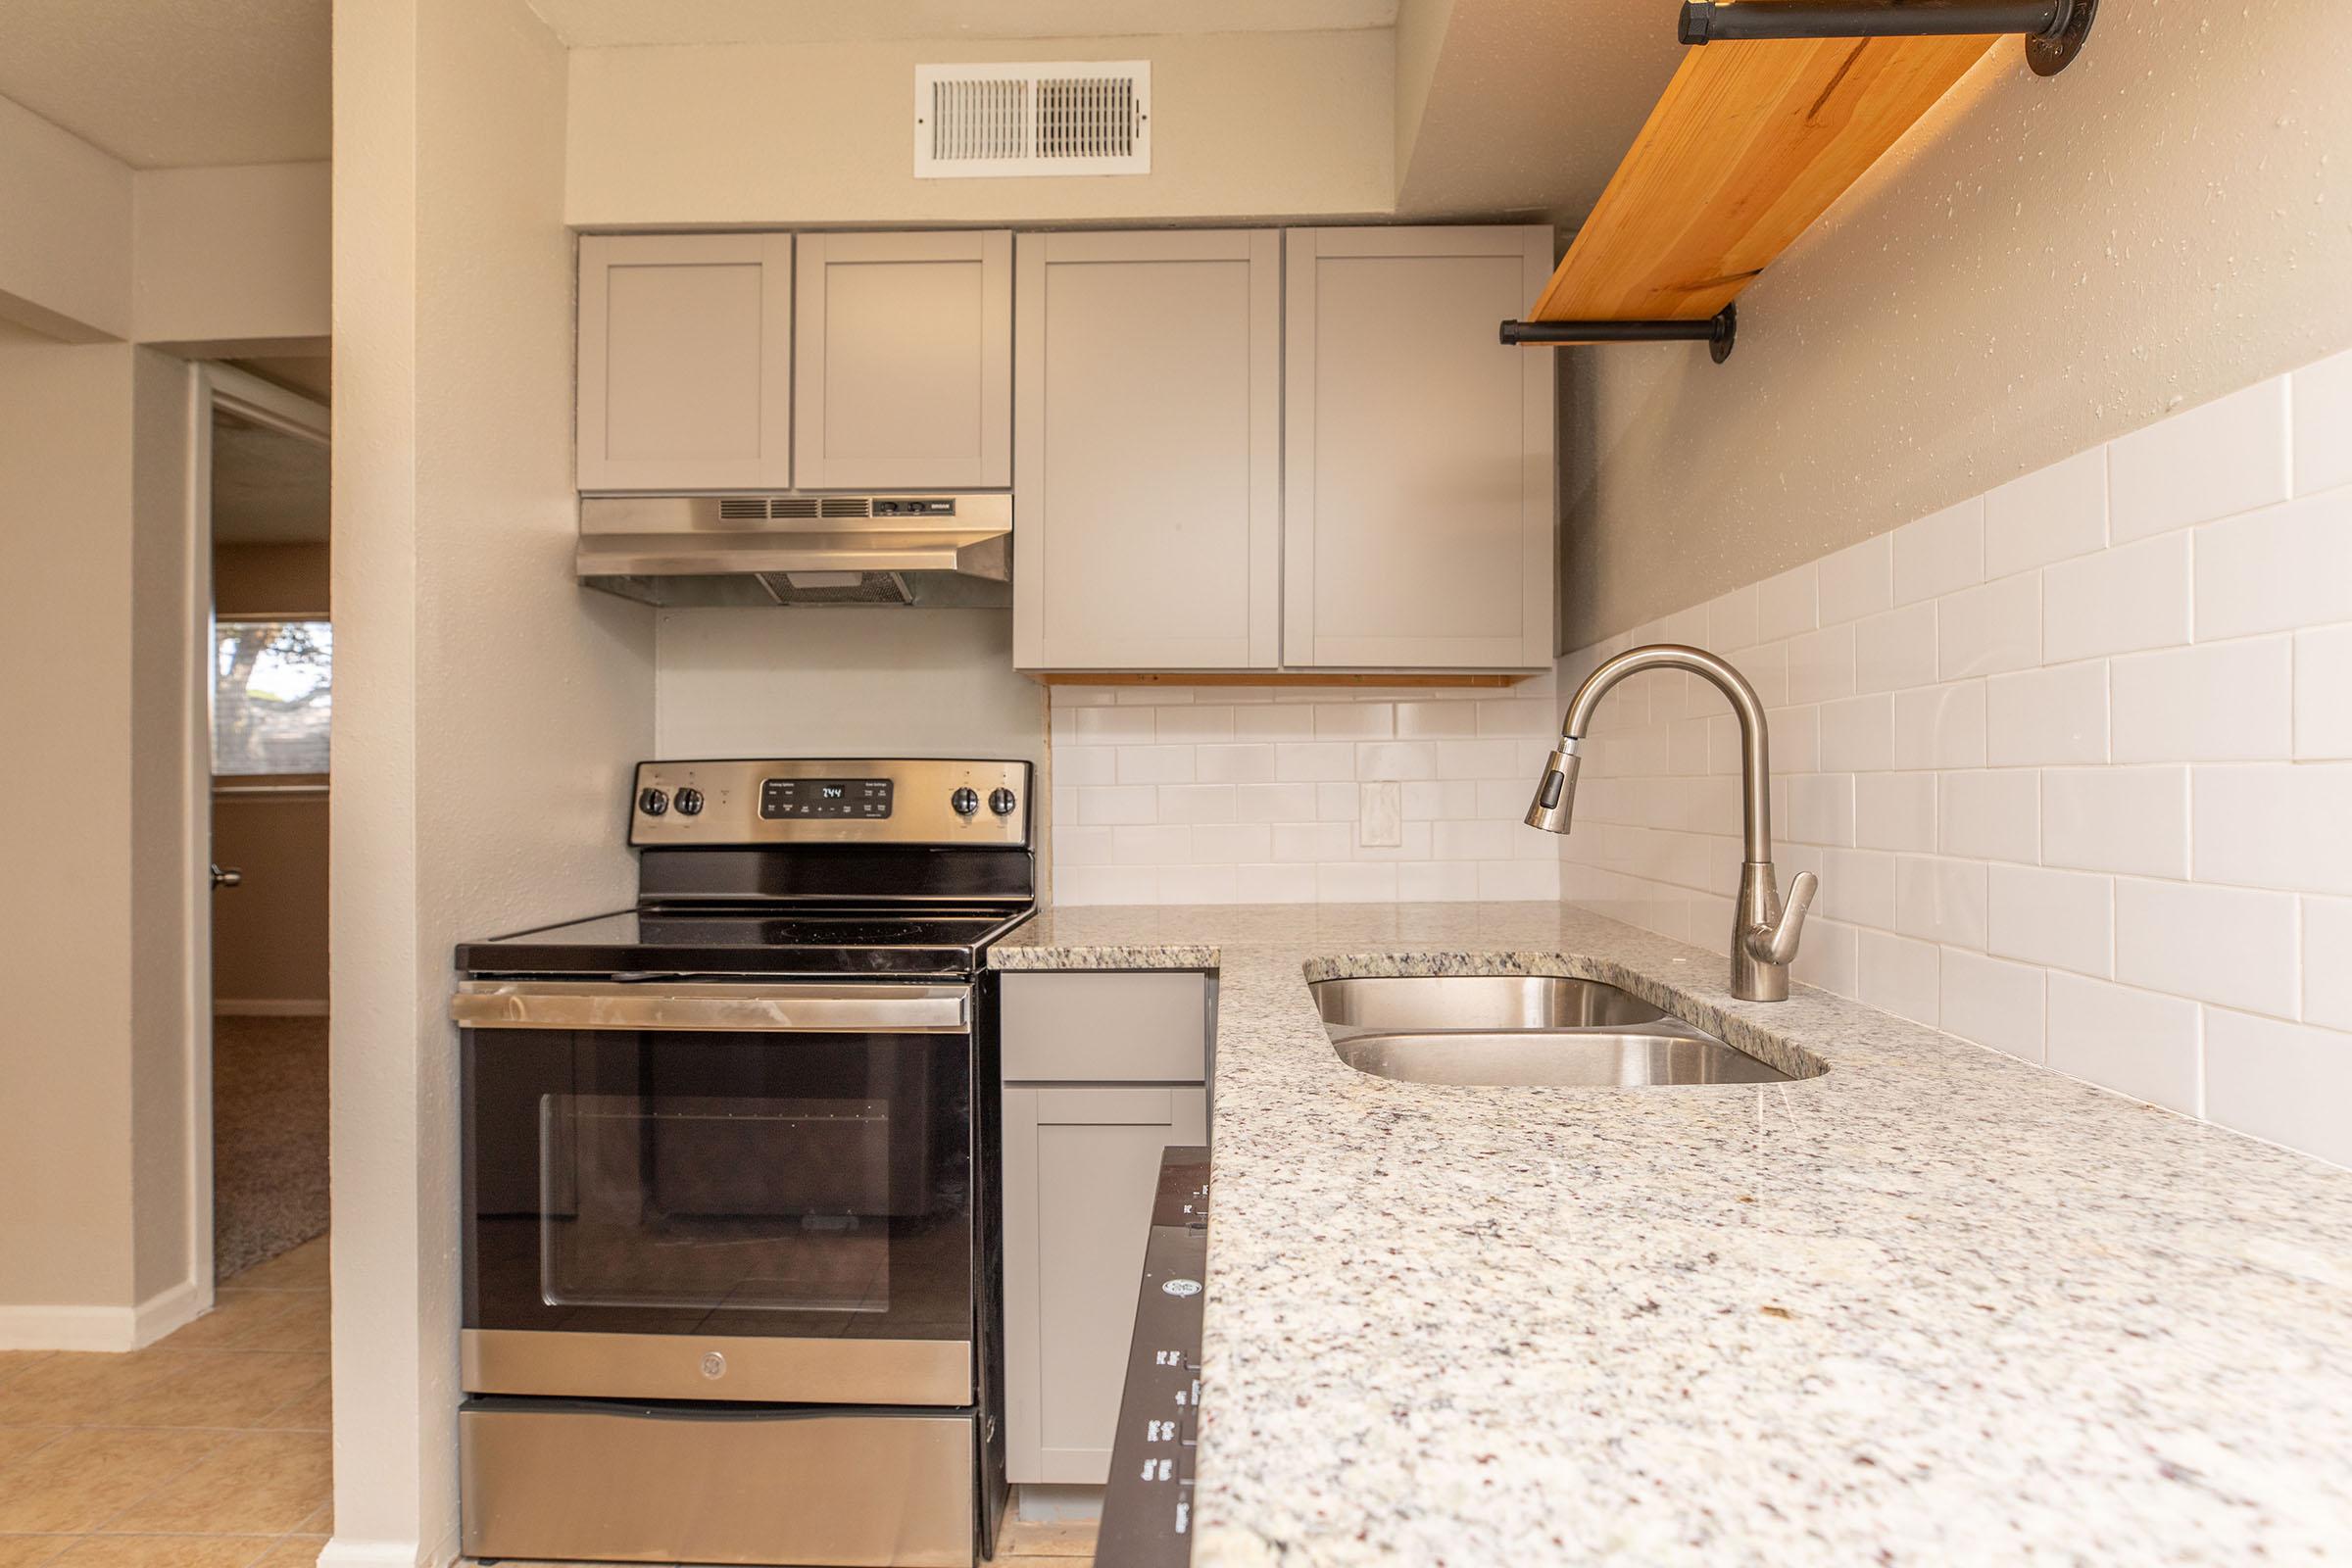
(272, 696)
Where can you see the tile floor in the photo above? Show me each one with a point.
(206, 1451)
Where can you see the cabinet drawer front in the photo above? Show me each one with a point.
(1106, 1105)
(1106, 1028)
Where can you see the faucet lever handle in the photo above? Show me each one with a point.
(1777, 943)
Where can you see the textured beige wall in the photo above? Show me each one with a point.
(64, 950)
(1243, 125)
(232, 255)
(486, 710)
(2044, 264)
(65, 230)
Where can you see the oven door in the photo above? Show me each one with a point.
(719, 1192)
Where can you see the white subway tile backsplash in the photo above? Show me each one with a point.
(1355, 720)
(1732, 620)
(2215, 702)
(2278, 569)
(1234, 765)
(1437, 882)
(1990, 628)
(1274, 802)
(1899, 975)
(1512, 880)
(1106, 884)
(1896, 650)
(1998, 1005)
(1857, 581)
(2052, 515)
(1938, 900)
(1356, 882)
(1821, 664)
(1940, 554)
(1099, 725)
(2324, 690)
(1110, 804)
(1518, 716)
(1271, 884)
(2274, 825)
(1314, 761)
(1475, 760)
(1155, 764)
(2116, 600)
(1894, 812)
(1312, 841)
(2041, 716)
(1232, 843)
(1151, 845)
(2327, 961)
(2212, 461)
(1195, 722)
(1788, 604)
(2160, 627)
(2131, 819)
(1075, 766)
(1335, 803)
(1857, 735)
(2288, 1083)
(1991, 816)
(2232, 946)
(1395, 761)
(1197, 803)
(2321, 394)
(1428, 720)
(2059, 919)
(2138, 1043)
(1272, 722)
(1199, 884)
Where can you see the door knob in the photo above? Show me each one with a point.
(227, 876)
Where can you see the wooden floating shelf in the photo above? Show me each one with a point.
(1750, 144)
(1273, 677)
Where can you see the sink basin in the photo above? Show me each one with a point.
(1521, 1030)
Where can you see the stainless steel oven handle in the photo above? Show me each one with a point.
(754, 1008)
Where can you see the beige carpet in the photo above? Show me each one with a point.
(269, 1139)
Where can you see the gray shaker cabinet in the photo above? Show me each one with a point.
(1103, 1071)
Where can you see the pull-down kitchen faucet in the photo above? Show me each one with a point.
(1764, 933)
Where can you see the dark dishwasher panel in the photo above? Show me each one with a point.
(1148, 1502)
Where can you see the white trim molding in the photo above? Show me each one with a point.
(341, 1552)
(102, 1328)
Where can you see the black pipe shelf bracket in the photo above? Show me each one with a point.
(2054, 31)
(1716, 331)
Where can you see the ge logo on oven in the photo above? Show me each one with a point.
(714, 1366)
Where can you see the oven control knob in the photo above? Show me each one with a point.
(1001, 800)
(689, 802)
(965, 800)
(653, 802)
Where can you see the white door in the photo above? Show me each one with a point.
(1147, 428)
(1418, 470)
(903, 361)
(685, 362)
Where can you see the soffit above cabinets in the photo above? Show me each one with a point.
(611, 23)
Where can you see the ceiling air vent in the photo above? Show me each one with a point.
(1091, 116)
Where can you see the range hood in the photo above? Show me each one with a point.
(942, 551)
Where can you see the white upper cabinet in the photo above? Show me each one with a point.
(1418, 470)
(1148, 432)
(685, 362)
(904, 362)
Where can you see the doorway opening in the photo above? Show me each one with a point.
(269, 658)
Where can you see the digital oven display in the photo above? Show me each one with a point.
(793, 799)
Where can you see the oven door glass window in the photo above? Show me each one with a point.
(733, 1184)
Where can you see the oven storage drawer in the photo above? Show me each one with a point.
(623, 1482)
(705, 1366)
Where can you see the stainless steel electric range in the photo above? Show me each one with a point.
(732, 1272)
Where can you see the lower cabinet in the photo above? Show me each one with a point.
(1081, 1161)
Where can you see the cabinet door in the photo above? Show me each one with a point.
(685, 362)
(904, 361)
(1418, 470)
(1080, 1165)
(1146, 433)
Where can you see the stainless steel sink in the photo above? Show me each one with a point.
(1518, 1030)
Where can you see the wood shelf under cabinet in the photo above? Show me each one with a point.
(1750, 144)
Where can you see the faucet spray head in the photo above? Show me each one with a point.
(1555, 795)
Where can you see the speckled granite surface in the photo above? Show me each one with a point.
(1934, 1306)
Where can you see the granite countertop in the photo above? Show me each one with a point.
(1937, 1306)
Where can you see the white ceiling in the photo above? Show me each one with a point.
(601, 24)
(268, 488)
(174, 83)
